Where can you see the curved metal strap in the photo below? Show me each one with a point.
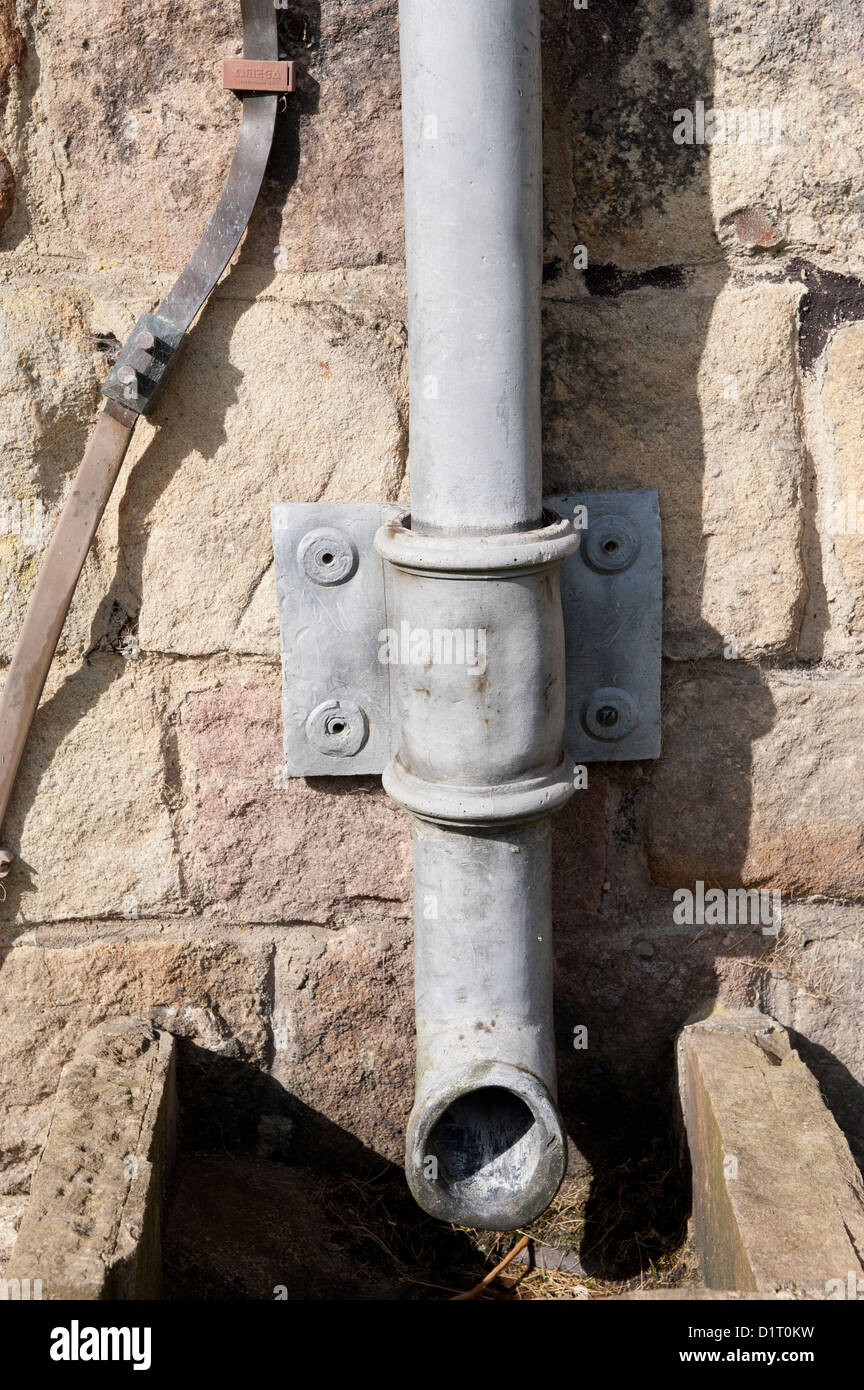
(132, 388)
(145, 361)
(243, 184)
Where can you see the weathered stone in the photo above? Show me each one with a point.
(774, 131)
(7, 189)
(212, 995)
(50, 372)
(130, 114)
(92, 1228)
(813, 986)
(344, 207)
(300, 404)
(771, 778)
(640, 198)
(579, 846)
(796, 147)
(11, 1211)
(838, 446)
(334, 360)
(777, 1199)
(694, 394)
(273, 849)
(88, 819)
(344, 1033)
(12, 46)
(116, 85)
(810, 978)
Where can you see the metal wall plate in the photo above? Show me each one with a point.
(332, 591)
(612, 592)
(332, 606)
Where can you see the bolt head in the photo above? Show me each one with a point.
(327, 556)
(610, 544)
(607, 715)
(610, 714)
(338, 729)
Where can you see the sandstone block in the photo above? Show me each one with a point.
(88, 819)
(344, 1034)
(692, 393)
(267, 848)
(213, 996)
(303, 400)
(778, 1201)
(759, 784)
(92, 1227)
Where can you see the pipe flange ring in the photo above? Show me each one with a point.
(338, 729)
(610, 714)
(508, 803)
(610, 544)
(458, 556)
(327, 556)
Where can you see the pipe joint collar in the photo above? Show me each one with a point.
(509, 803)
(460, 557)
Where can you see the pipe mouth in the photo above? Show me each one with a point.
(487, 1149)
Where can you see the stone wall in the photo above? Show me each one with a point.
(704, 312)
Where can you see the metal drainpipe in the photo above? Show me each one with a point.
(481, 765)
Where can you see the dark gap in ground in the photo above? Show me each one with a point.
(271, 1200)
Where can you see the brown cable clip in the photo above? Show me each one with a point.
(257, 75)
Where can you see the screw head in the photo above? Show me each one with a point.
(610, 544)
(338, 729)
(610, 714)
(607, 716)
(327, 556)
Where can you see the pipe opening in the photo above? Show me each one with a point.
(488, 1146)
(489, 1151)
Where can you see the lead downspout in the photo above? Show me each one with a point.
(481, 765)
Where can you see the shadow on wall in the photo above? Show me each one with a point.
(117, 616)
(625, 337)
(627, 316)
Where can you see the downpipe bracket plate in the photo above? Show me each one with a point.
(334, 600)
(612, 594)
(330, 586)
